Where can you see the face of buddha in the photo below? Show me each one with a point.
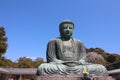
(66, 30)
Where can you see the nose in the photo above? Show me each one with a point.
(68, 28)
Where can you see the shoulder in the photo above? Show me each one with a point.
(77, 40)
(54, 40)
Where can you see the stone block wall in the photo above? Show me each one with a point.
(58, 77)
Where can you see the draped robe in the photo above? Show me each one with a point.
(57, 52)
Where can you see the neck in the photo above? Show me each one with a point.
(65, 38)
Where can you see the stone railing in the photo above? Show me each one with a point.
(115, 73)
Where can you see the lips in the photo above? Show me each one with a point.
(67, 32)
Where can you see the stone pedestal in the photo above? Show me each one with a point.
(68, 77)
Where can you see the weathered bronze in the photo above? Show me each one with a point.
(67, 56)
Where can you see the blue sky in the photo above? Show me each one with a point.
(30, 24)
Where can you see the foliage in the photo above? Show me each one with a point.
(24, 62)
(3, 47)
(37, 62)
(93, 57)
(3, 41)
(4, 62)
(98, 55)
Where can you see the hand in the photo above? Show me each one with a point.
(71, 63)
(82, 62)
(56, 61)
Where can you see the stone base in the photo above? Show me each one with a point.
(68, 77)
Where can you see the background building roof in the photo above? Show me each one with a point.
(2, 70)
(115, 71)
(22, 70)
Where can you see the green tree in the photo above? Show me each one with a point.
(24, 62)
(4, 62)
(15, 64)
(37, 62)
(3, 41)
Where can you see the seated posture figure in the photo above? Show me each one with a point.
(67, 56)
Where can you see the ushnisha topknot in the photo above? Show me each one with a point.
(66, 21)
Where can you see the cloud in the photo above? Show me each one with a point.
(31, 57)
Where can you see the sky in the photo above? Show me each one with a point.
(30, 24)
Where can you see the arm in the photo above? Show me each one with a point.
(51, 52)
(82, 53)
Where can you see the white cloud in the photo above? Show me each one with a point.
(31, 57)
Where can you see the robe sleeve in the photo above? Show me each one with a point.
(81, 52)
(51, 50)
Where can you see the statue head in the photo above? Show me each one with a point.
(66, 28)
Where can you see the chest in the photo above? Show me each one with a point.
(68, 51)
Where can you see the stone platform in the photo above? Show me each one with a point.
(68, 77)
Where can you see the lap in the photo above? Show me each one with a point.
(91, 68)
(88, 67)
